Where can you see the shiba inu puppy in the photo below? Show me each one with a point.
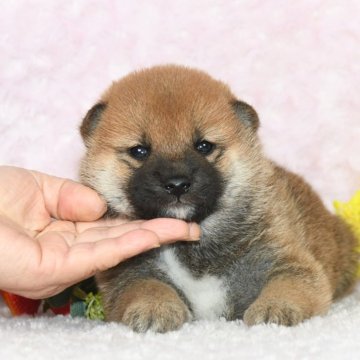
(173, 142)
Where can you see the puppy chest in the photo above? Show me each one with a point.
(207, 295)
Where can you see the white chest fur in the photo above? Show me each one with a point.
(207, 295)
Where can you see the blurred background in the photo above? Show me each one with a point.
(297, 63)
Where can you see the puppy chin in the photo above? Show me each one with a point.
(181, 212)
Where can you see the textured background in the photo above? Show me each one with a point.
(297, 62)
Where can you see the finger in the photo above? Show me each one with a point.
(85, 259)
(167, 230)
(172, 229)
(68, 200)
(61, 266)
(82, 226)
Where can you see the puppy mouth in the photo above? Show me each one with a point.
(178, 210)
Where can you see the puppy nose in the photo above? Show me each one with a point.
(177, 186)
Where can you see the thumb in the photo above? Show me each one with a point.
(68, 200)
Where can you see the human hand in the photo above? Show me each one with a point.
(50, 239)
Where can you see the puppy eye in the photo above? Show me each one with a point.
(204, 147)
(139, 152)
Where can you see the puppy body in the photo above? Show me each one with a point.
(172, 142)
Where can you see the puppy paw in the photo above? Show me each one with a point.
(275, 312)
(143, 315)
(147, 304)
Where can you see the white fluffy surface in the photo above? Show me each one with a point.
(297, 62)
(334, 336)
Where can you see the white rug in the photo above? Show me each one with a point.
(297, 62)
(334, 336)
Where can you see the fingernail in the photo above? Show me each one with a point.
(103, 206)
(98, 205)
(194, 231)
(155, 246)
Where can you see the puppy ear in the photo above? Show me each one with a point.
(91, 120)
(246, 114)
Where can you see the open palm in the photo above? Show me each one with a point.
(50, 239)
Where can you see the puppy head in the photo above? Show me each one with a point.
(169, 142)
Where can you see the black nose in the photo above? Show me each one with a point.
(177, 186)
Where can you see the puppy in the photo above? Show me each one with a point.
(173, 142)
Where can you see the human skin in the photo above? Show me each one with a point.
(51, 238)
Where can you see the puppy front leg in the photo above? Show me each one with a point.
(149, 304)
(291, 295)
